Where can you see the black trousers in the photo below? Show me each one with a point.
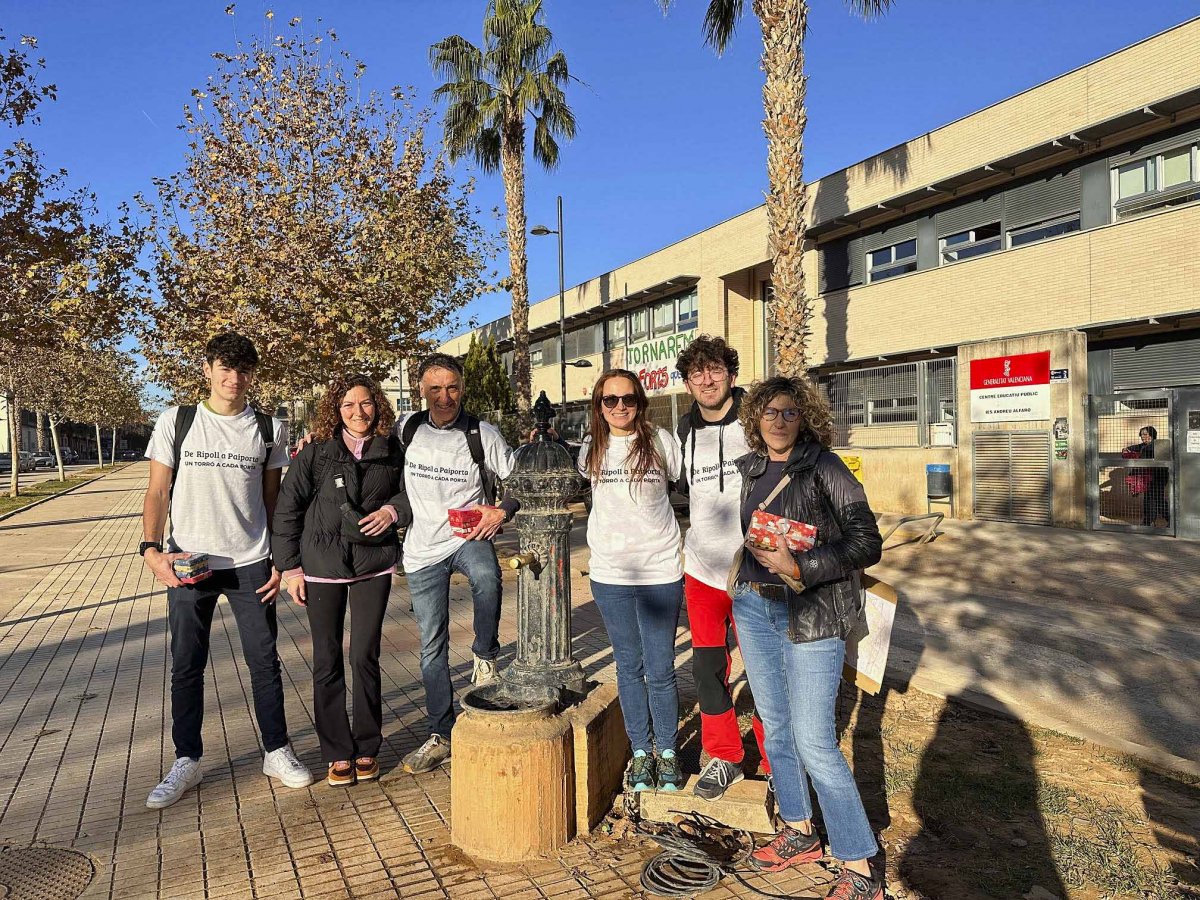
(327, 622)
(190, 613)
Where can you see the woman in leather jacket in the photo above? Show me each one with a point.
(335, 539)
(793, 612)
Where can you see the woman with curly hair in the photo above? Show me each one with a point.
(335, 539)
(636, 572)
(793, 612)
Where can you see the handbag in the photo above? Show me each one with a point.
(731, 580)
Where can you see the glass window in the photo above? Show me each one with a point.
(887, 262)
(1177, 167)
(535, 355)
(639, 325)
(1040, 231)
(663, 318)
(1135, 178)
(615, 332)
(972, 242)
(583, 341)
(689, 311)
(905, 249)
(881, 257)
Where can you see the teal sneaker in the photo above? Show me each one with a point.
(640, 774)
(670, 776)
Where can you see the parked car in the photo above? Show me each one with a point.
(69, 456)
(44, 459)
(28, 462)
(130, 455)
(5, 462)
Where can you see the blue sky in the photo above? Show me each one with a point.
(669, 135)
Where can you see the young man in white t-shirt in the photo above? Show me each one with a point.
(221, 494)
(712, 439)
(440, 473)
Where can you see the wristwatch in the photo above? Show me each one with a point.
(147, 545)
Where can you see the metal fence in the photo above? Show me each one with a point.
(902, 405)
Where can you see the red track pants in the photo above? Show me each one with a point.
(710, 613)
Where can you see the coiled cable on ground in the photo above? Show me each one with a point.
(697, 853)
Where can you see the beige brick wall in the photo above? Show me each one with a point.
(1145, 267)
(1151, 70)
(894, 477)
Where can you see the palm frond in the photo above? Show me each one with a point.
(457, 58)
(545, 148)
(556, 68)
(487, 149)
(869, 9)
(721, 21)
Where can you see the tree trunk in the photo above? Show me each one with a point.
(112, 456)
(14, 444)
(99, 447)
(783, 25)
(512, 170)
(62, 472)
(414, 387)
(43, 432)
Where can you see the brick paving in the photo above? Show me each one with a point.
(84, 726)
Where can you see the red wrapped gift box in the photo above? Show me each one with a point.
(463, 520)
(768, 531)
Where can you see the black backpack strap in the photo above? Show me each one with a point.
(682, 429)
(475, 444)
(411, 424)
(184, 417)
(266, 430)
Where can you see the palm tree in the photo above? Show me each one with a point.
(784, 23)
(489, 93)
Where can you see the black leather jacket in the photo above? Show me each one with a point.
(824, 493)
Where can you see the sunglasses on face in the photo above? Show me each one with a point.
(789, 415)
(610, 401)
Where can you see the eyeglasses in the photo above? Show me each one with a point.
(610, 401)
(789, 415)
(716, 373)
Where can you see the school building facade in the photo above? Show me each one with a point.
(1014, 295)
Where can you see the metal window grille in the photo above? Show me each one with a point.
(903, 405)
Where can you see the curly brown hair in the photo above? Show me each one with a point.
(816, 421)
(705, 351)
(328, 418)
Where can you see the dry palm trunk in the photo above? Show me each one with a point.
(512, 169)
(783, 26)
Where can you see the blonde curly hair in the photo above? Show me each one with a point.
(816, 420)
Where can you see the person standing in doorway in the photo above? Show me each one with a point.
(452, 460)
(335, 540)
(216, 468)
(793, 612)
(636, 573)
(1154, 497)
(711, 440)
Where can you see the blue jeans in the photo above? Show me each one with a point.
(795, 687)
(190, 613)
(641, 620)
(430, 591)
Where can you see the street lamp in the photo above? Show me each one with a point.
(542, 231)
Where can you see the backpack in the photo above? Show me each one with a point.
(474, 443)
(186, 415)
(682, 429)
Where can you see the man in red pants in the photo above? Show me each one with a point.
(711, 439)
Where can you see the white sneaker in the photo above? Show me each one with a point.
(483, 671)
(184, 776)
(282, 764)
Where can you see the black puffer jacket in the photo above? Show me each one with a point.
(308, 527)
(824, 493)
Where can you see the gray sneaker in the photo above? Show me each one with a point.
(428, 756)
(184, 776)
(483, 671)
(716, 778)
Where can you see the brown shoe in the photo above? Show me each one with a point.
(366, 768)
(341, 773)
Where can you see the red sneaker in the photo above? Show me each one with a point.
(791, 847)
(852, 886)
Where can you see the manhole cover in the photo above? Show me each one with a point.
(43, 873)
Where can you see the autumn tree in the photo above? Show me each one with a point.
(492, 92)
(308, 216)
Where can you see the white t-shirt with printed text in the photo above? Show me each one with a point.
(714, 532)
(217, 506)
(439, 475)
(632, 531)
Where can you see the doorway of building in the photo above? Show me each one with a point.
(1132, 468)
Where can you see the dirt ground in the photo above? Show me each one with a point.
(974, 804)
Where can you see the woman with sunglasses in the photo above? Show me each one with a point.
(336, 542)
(636, 571)
(793, 612)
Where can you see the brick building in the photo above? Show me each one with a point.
(1014, 295)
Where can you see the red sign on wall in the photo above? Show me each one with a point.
(1011, 388)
